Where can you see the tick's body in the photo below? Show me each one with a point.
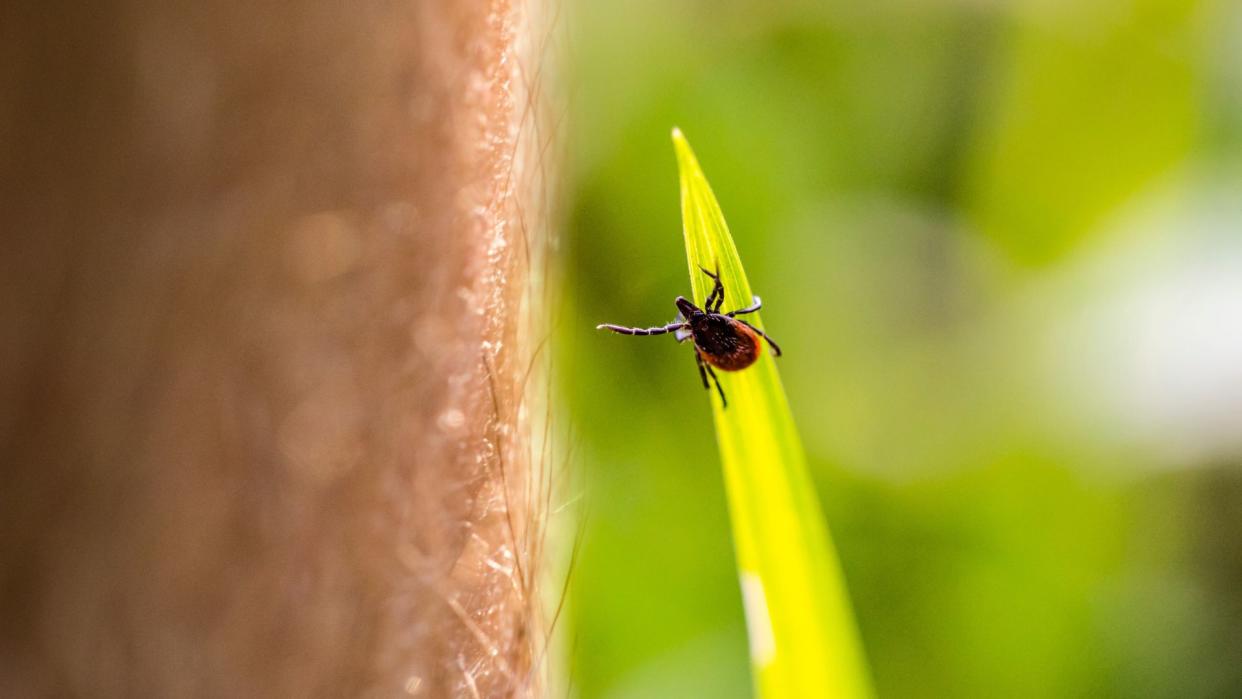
(724, 342)
(720, 339)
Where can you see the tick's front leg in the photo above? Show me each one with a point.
(622, 330)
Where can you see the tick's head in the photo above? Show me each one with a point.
(689, 311)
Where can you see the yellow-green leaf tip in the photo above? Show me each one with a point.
(803, 639)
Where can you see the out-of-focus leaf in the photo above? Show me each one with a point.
(1085, 120)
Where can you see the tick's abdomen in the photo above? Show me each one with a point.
(725, 343)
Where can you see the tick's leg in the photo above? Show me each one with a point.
(622, 330)
(715, 298)
(776, 349)
(723, 403)
(711, 298)
(698, 359)
(755, 305)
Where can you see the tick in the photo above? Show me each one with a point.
(721, 340)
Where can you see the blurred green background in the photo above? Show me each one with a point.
(1001, 244)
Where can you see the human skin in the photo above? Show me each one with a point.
(261, 349)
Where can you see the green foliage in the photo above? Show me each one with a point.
(803, 639)
(1082, 124)
(948, 209)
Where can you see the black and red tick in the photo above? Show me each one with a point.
(721, 340)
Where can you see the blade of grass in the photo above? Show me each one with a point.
(803, 640)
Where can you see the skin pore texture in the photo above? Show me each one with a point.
(266, 348)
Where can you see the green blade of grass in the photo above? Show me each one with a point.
(803, 640)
